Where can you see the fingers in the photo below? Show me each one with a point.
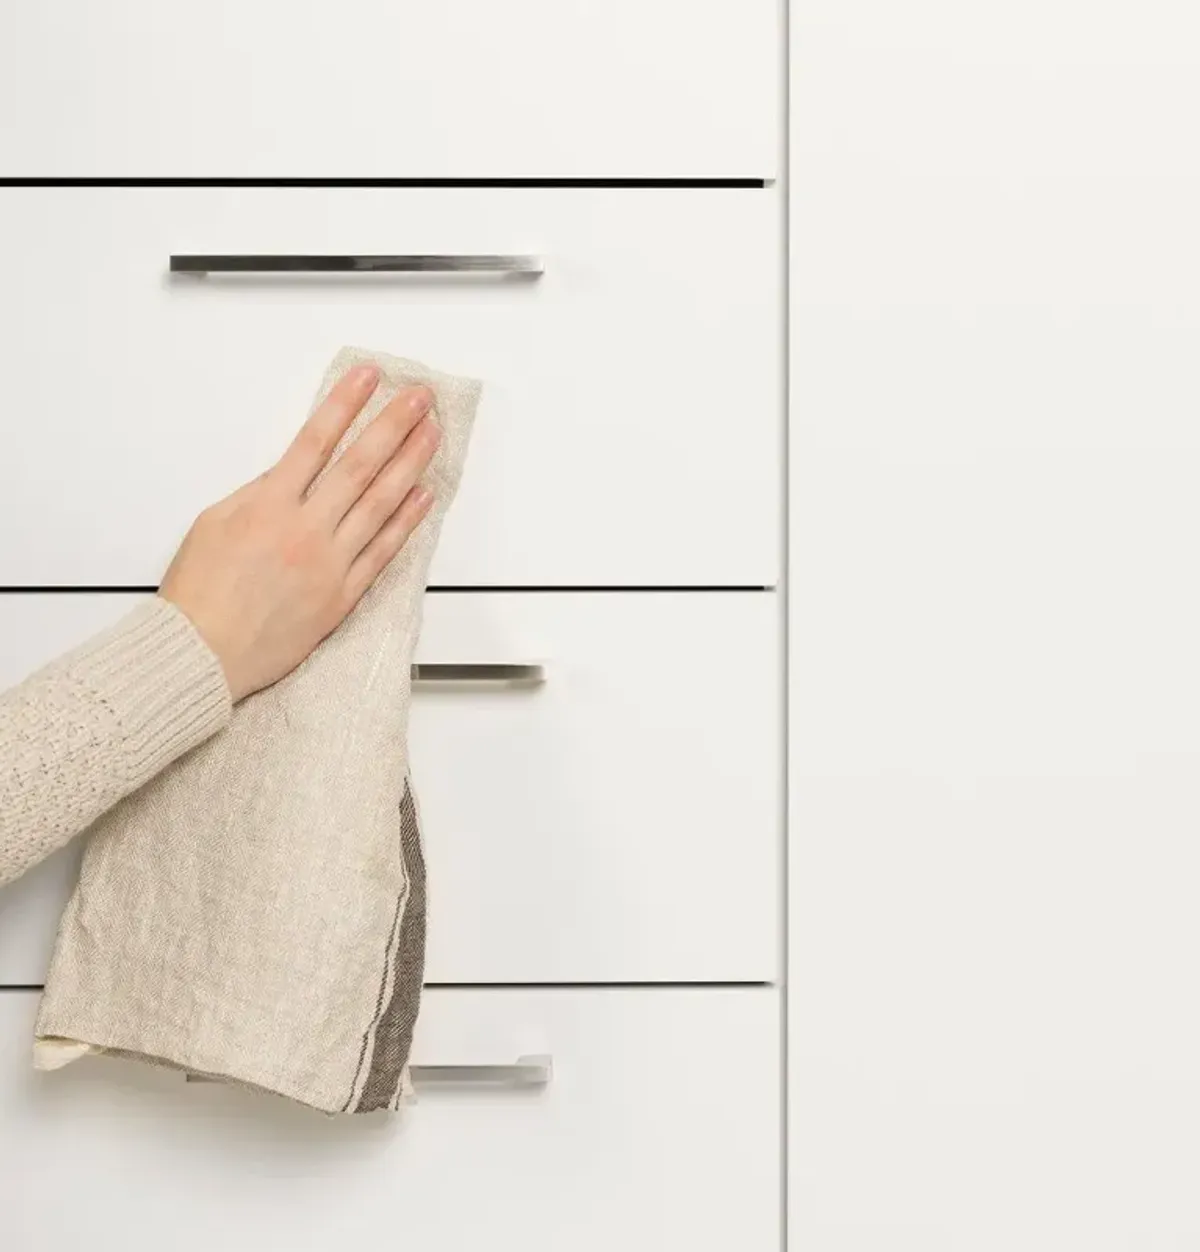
(372, 510)
(369, 454)
(314, 444)
(387, 542)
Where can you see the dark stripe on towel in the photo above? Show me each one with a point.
(393, 1037)
(388, 958)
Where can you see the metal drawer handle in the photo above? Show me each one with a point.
(444, 676)
(525, 1071)
(530, 266)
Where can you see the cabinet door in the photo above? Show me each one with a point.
(996, 642)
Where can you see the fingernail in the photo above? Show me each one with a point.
(431, 432)
(364, 375)
(420, 399)
(422, 497)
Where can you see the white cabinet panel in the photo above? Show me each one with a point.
(658, 1130)
(620, 823)
(390, 89)
(630, 427)
(996, 792)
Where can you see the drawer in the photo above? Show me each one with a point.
(630, 431)
(658, 1129)
(390, 88)
(619, 823)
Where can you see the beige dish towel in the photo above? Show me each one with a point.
(256, 913)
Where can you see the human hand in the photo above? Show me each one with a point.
(265, 574)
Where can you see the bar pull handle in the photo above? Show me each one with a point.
(525, 1071)
(262, 263)
(443, 676)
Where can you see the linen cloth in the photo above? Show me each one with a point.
(256, 912)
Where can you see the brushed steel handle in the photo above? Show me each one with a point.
(443, 676)
(525, 1071)
(239, 263)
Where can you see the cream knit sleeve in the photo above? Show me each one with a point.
(99, 722)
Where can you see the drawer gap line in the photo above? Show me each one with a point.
(530, 986)
(131, 589)
(698, 985)
(664, 184)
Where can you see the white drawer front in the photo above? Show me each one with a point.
(630, 430)
(659, 1129)
(618, 824)
(390, 88)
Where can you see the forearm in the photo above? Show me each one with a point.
(95, 725)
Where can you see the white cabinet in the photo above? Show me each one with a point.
(604, 848)
(658, 1129)
(629, 431)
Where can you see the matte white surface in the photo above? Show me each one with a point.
(629, 431)
(995, 930)
(390, 89)
(621, 823)
(659, 1130)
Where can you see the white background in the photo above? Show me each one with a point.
(995, 617)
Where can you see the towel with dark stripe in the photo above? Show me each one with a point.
(256, 913)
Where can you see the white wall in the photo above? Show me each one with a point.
(995, 603)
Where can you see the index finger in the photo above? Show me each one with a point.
(314, 443)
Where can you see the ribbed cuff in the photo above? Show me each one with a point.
(163, 685)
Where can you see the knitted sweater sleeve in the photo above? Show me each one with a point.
(97, 723)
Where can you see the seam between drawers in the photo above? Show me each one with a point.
(665, 184)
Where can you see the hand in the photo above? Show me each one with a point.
(267, 573)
